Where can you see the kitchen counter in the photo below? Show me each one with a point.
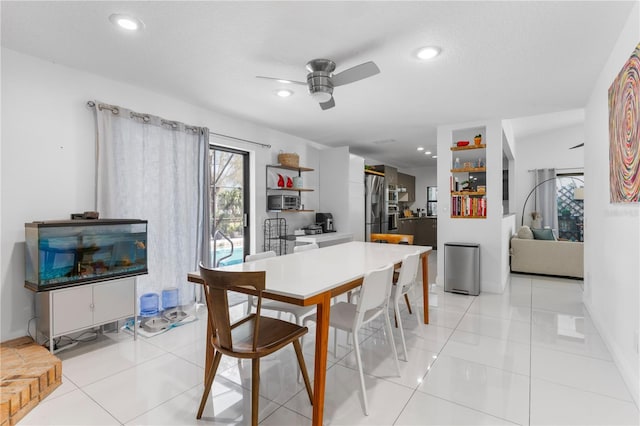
(417, 217)
(423, 229)
(324, 240)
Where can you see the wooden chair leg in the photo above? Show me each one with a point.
(211, 374)
(406, 299)
(303, 369)
(255, 390)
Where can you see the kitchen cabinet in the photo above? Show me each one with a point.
(423, 229)
(69, 310)
(406, 188)
(275, 189)
(342, 190)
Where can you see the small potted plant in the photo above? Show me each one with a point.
(477, 139)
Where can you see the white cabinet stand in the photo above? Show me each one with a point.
(69, 310)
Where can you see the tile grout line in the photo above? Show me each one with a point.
(424, 378)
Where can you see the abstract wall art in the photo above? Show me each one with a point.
(624, 133)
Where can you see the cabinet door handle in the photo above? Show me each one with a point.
(91, 306)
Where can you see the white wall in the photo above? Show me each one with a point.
(486, 232)
(48, 138)
(612, 231)
(342, 190)
(543, 151)
(425, 176)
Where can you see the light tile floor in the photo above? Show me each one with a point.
(530, 356)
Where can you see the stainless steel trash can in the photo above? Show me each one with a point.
(462, 268)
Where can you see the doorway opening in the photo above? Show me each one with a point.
(570, 196)
(229, 208)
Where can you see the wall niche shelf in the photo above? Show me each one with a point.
(467, 204)
(468, 147)
(469, 170)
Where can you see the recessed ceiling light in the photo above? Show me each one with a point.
(429, 52)
(284, 93)
(427, 152)
(130, 23)
(434, 156)
(420, 148)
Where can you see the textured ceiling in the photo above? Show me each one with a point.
(499, 60)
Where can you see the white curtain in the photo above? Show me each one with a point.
(158, 170)
(546, 199)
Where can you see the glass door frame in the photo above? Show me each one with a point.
(246, 195)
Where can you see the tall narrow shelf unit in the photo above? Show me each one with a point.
(276, 230)
(470, 203)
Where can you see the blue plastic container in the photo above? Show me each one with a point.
(170, 298)
(149, 304)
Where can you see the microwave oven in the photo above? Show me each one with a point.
(283, 202)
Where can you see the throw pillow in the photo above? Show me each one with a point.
(543, 234)
(525, 233)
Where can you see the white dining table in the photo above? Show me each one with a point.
(313, 277)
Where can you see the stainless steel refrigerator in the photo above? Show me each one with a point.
(375, 208)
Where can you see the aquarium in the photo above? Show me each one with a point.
(72, 252)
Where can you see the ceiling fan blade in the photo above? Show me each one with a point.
(356, 73)
(282, 80)
(578, 146)
(329, 104)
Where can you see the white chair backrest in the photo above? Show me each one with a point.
(409, 269)
(408, 273)
(376, 289)
(258, 256)
(298, 249)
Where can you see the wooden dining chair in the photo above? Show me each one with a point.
(404, 284)
(251, 337)
(373, 302)
(298, 312)
(392, 238)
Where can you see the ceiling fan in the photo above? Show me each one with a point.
(321, 79)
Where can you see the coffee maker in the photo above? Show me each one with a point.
(326, 221)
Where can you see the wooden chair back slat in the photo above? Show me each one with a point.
(217, 283)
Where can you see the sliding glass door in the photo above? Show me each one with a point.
(229, 205)
(570, 194)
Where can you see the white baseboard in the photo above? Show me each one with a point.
(628, 373)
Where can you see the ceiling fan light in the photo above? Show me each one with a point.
(429, 52)
(321, 97)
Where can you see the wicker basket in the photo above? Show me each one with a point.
(289, 159)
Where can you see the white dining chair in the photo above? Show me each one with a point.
(298, 312)
(406, 282)
(373, 302)
(305, 247)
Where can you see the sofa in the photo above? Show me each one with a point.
(547, 257)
